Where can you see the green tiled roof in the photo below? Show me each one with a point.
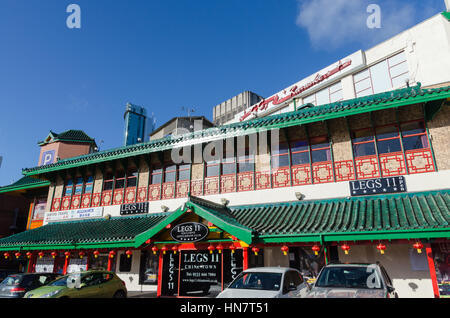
(390, 99)
(446, 15)
(24, 183)
(84, 234)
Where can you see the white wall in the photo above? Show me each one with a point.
(407, 280)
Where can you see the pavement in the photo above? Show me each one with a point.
(137, 294)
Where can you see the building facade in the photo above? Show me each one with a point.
(227, 110)
(363, 179)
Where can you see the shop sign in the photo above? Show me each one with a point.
(378, 186)
(73, 214)
(134, 208)
(189, 232)
(44, 265)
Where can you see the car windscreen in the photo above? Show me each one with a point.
(360, 277)
(257, 281)
(12, 280)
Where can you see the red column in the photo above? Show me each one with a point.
(66, 264)
(160, 269)
(432, 270)
(245, 255)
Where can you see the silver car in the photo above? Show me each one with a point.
(353, 281)
(267, 282)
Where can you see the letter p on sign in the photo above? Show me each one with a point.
(47, 157)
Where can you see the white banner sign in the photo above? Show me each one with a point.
(73, 214)
(44, 265)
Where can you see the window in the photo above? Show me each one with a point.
(212, 169)
(68, 189)
(39, 208)
(383, 76)
(156, 176)
(299, 153)
(132, 178)
(148, 273)
(246, 164)
(363, 143)
(89, 185)
(170, 173)
(388, 139)
(320, 149)
(184, 172)
(327, 95)
(120, 180)
(414, 135)
(280, 156)
(79, 186)
(229, 166)
(108, 182)
(125, 263)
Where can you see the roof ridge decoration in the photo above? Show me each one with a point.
(304, 115)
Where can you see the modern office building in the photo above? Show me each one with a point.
(137, 124)
(226, 111)
(181, 125)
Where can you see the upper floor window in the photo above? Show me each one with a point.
(79, 186)
(132, 178)
(184, 172)
(120, 180)
(156, 177)
(212, 169)
(414, 135)
(363, 142)
(320, 149)
(280, 156)
(108, 182)
(229, 166)
(68, 188)
(89, 185)
(388, 139)
(299, 152)
(170, 173)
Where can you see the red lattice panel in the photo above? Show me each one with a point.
(392, 164)
(262, 180)
(86, 200)
(76, 202)
(281, 177)
(56, 204)
(301, 174)
(65, 203)
(96, 200)
(420, 161)
(142, 194)
(154, 192)
(322, 172)
(228, 183)
(245, 181)
(130, 194)
(197, 187)
(168, 190)
(118, 196)
(344, 170)
(367, 167)
(106, 198)
(211, 185)
(182, 189)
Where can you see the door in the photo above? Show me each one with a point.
(293, 285)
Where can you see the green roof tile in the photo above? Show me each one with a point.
(24, 183)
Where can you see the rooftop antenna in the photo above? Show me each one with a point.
(189, 111)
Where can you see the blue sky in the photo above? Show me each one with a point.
(164, 54)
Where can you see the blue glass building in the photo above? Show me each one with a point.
(137, 125)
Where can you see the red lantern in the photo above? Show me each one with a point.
(381, 247)
(316, 249)
(174, 249)
(418, 246)
(155, 249)
(41, 254)
(29, 254)
(81, 254)
(232, 248)
(164, 249)
(18, 254)
(189, 210)
(211, 248)
(285, 250)
(345, 247)
(54, 254)
(6, 255)
(96, 254)
(67, 254)
(129, 253)
(255, 250)
(112, 254)
(219, 248)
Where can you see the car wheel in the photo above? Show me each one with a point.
(119, 294)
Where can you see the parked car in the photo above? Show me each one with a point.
(5, 273)
(353, 281)
(16, 285)
(90, 284)
(267, 282)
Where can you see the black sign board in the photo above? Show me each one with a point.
(169, 281)
(377, 186)
(134, 208)
(189, 232)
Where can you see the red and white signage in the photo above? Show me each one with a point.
(350, 64)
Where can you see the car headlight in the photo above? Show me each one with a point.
(51, 294)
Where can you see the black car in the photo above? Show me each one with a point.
(16, 285)
(6, 273)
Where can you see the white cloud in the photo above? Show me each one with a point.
(336, 23)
